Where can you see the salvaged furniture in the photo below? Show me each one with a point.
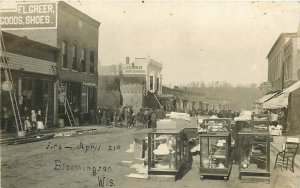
(285, 159)
(215, 154)
(166, 152)
(254, 152)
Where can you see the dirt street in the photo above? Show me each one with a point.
(85, 161)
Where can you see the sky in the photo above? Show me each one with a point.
(194, 40)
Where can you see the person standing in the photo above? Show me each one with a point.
(27, 125)
(161, 113)
(6, 117)
(33, 121)
(282, 119)
(115, 117)
(39, 121)
(126, 117)
(273, 118)
(104, 117)
(145, 119)
(130, 120)
(76, 115)
(153, 120)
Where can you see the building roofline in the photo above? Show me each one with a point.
(78, 12)
(155, 63)
(278, 39)
(36, 44)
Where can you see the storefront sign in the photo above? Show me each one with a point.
(89, 84)
(30, 16)
(133, 69)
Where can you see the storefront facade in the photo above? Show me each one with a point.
(287, 101)
(139, 82)
(187, 100)
(34, 80)
(294, 111)
(76, 35)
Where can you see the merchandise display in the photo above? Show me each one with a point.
(178, 115)
(260, 122)
(215, 125)
(215, 154)
(165, 152)
(254, 151)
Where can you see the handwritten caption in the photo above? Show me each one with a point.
(84, 148)
(102, 171)
(103, 181)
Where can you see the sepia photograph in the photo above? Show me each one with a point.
(149, 94)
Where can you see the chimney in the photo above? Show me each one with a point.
(127, 60)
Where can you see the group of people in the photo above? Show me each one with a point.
(33, 123)
(221, 114)
(125, 117)
(32, 120)
(278, 117)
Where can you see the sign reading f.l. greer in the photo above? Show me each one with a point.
(27, 16)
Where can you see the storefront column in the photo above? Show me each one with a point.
(55, 109)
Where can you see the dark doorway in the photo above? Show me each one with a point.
(38, 94)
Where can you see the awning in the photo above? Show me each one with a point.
(281, 99)
(265, 98)
(292, 88)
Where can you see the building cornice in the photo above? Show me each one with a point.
(68, 8)
(278, 39)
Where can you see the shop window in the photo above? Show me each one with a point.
(92, 62)
(82, 66)
(151, 82)
(27, 93)
(74, 57)
(64, 55)
(91, 98)
(46, 90)
(38, 94)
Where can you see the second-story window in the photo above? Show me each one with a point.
(74, 57)
(82, 65)
(92, 62)
(157, 84)
(151, 82)
(64, 53)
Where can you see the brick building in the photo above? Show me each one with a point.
(276, 62)
(34, 80)
(292, 60)
(130, 84)
(284, 75)
(188, 99)
(140, 81)
(76, 35)
(109, 95)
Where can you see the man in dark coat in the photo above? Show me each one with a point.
(161, 113)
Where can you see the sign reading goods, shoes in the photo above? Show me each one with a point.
(39, 15)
